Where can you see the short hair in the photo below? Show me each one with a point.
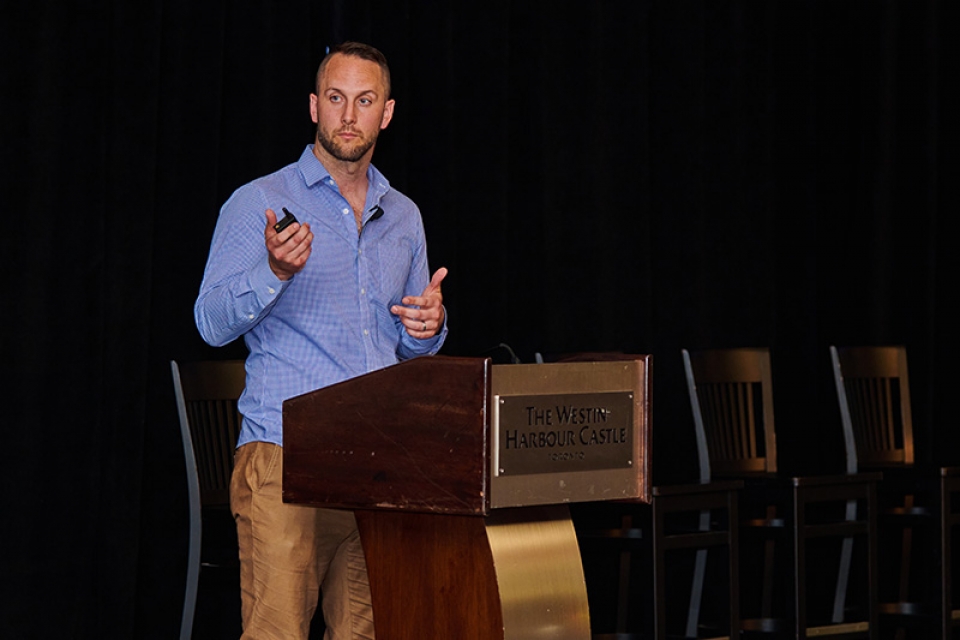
(357, 50)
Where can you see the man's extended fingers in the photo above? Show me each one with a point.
(434, 285)
(429, 297)
(411, 306)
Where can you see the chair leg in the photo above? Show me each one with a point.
(949, 484)
(193, 577)
(769, 571)
(696, 593)
(659, 570)
(799, 565)
(873, 589)
(733, 562)
(904, 592)
(623, 586)
(946, 532)
(696, 589)
(843, 581)
(843, 576)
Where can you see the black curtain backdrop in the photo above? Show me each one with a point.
(637, 176)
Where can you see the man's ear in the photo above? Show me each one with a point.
(387, 114)
(313, 108)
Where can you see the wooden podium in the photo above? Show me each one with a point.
(460, 473)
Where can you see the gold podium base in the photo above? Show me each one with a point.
(540, 576)
(513, 575)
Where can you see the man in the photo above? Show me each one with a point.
(344, 291)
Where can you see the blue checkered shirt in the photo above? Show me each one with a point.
(332, 320)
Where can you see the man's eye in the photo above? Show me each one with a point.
(335, 98)
(366, 101)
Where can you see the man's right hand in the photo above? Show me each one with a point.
(288, 250)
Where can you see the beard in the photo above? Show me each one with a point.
(342, 153)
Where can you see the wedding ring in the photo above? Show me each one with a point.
(424, 327)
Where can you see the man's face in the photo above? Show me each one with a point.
(350, 107)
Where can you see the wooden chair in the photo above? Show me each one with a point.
(682, 520)
(917, 505)
(731, 394)
(207, 394)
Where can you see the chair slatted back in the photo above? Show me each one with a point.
(874, 394)
(210, 391)
(731, 394)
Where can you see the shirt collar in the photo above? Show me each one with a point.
(314, 172)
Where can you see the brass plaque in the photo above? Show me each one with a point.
(563, 432)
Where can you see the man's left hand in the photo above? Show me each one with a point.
(423, 315)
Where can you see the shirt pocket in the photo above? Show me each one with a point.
(395, 257)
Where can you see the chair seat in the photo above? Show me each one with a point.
(715, 486)
(907, 513)
(764, 523)
(627, 535)
(908, 609)
(838, 480)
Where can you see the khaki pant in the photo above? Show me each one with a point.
(289, 553)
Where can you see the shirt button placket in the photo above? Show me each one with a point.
(365, 315)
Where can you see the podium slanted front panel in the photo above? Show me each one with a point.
(411, 437)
